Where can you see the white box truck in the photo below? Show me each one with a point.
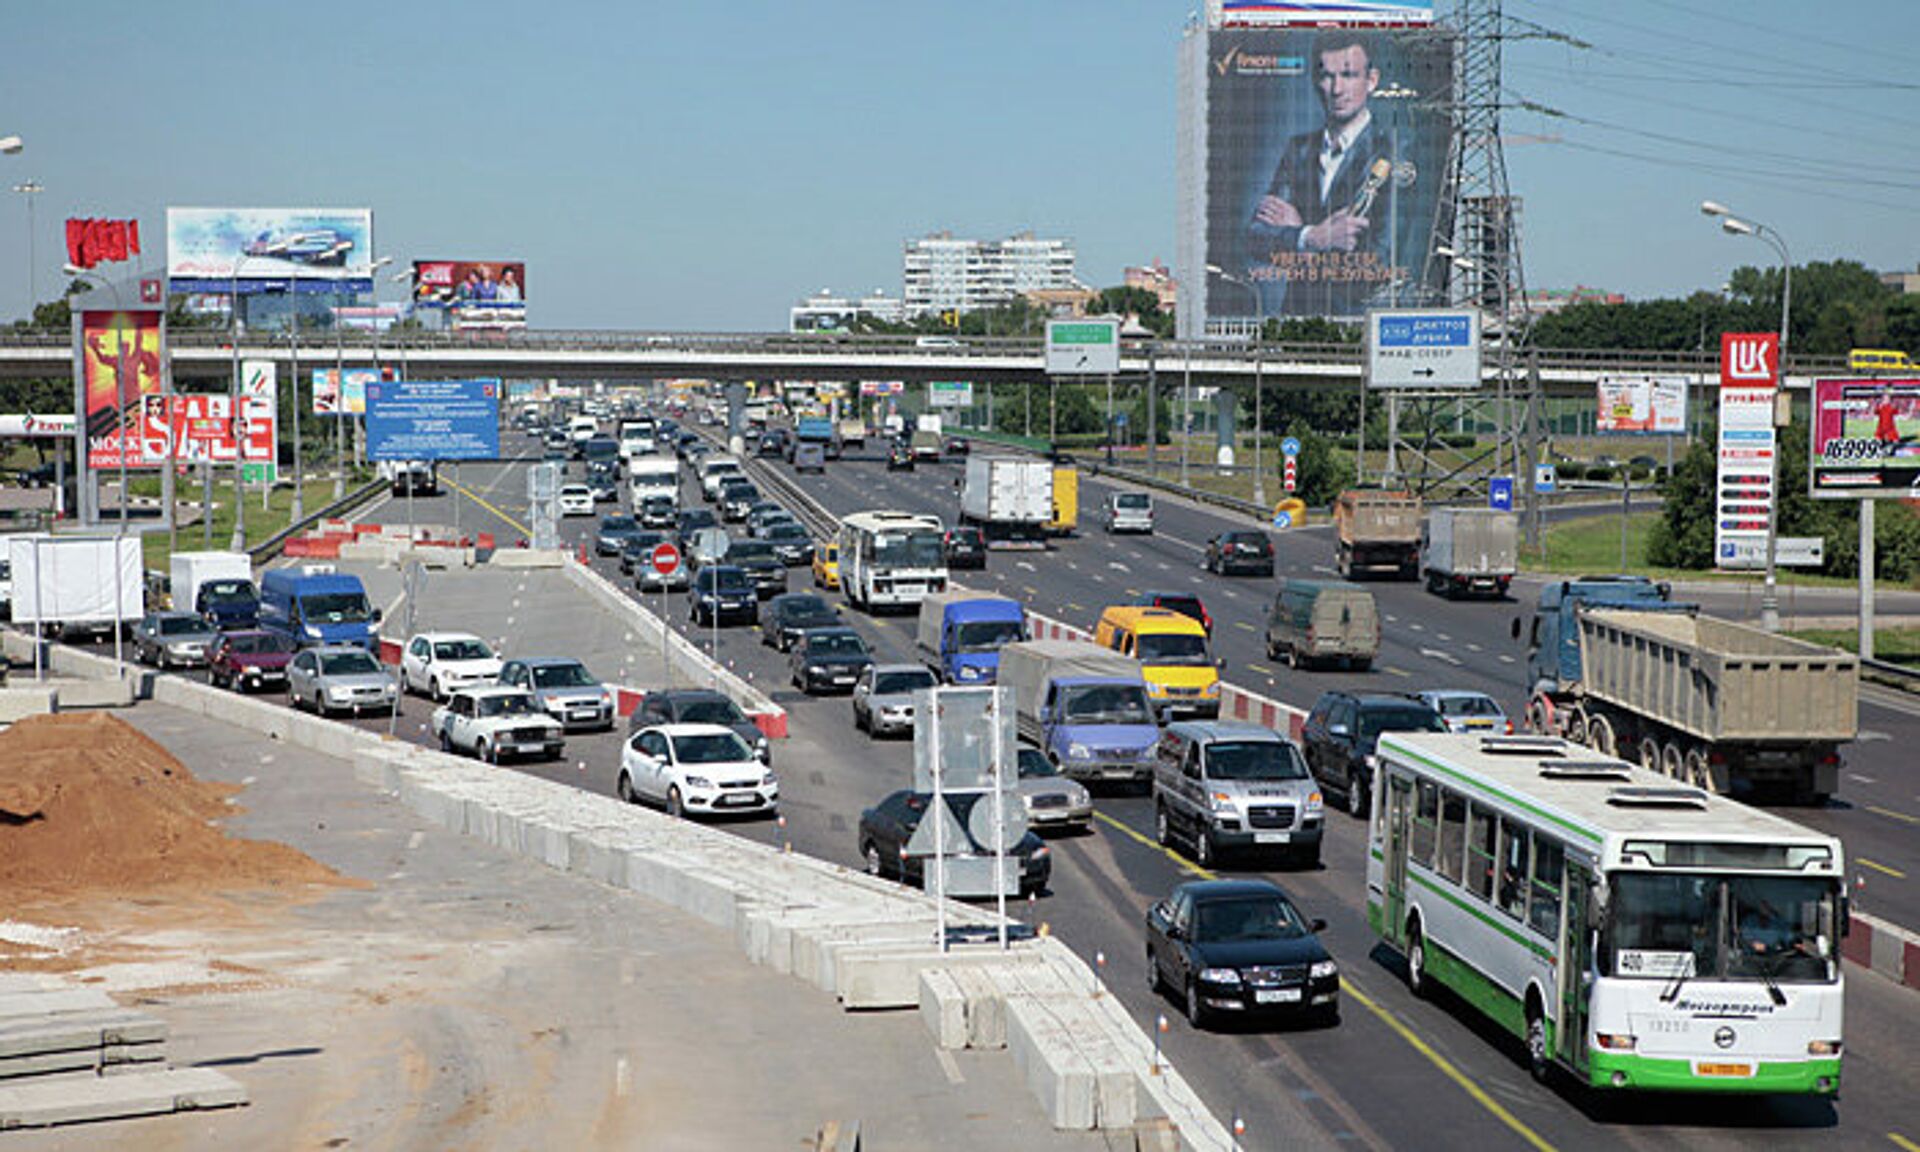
(1009, 498)
(69, 585)
(1470, 551)
(217, 585)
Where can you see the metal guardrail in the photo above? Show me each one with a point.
(270, 547)
(1898, 676)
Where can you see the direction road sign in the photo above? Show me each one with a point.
(665, 559)
(1500, 493)
(1800, 551)
(1083, 347)
(1423, 348)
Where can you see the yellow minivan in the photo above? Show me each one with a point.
(1175, 660)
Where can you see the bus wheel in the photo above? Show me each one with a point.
(1600, 736)
(1416, 960)
(1537, 1058)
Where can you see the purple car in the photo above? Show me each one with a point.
(249, 659)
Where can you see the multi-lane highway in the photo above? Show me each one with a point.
(1396, 1072)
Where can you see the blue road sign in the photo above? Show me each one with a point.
(1283, 519)
(1290, 447)
(1500, 493)
(1543, 478)
(433, 420)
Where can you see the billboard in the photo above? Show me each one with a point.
(1866, 438)
(105, 337)
(1253, 13)
(433, 420)
(202, 429)
(314, 250)
(1743, 489)
(950, 394)
(1324, 159)
(474, 293)
(1642, 404)
(327, 389)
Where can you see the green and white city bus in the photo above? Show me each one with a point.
(1640, 935)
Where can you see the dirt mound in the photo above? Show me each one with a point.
(91, 806)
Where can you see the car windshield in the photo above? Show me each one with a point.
(460, 650)
(576, 492)
(507, 704)
(1254, 760)
(1034, 765)
(336, 608)
(1394, 718)
(730, 580)
(617, 524)
(644, 541)
(1110, 703)
(259, 644)
(698, 518)
(180, 625)
(717, 711)
(710, 748)
(804, 607)
(1172, 648)
(836, 644)
(349, 664)
(785, 530)
(563, 676)
(1467, 706)
(1739, 927)
(898, 683)
(1132, 501)
(749, 552)
(988, 635)
(1247, 918)
(657, 503)
(919, 548)
(228, 592)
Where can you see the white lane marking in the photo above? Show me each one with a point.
(1416, 627)
(1471, 647)
(415, 840)
(1392, 619)
(949, 1065)
(1859, 779)
(1869, 735)
(1183, 543)
(1444, 657)
(1027, 564)
(1164, 566)
(1443, 637)
(1506, 659)
(1116, 566)
(1326, 571)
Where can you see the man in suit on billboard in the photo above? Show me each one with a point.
(1313, 228)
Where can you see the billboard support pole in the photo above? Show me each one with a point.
(1866, 579)
(239, 541)
(1153, 413)
(1532, 449)
(339, 402)
(293, 383)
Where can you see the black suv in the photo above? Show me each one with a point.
(1342, 729)
(1232, 552)
(699, 706)
(964, 547)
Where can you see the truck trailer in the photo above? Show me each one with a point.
(1008, 498)
(1470, 551)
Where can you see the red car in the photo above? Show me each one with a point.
(249, 659)
(1185, 603)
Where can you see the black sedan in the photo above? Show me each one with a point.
(614, 533)
(887, 827)
(900, 456)
(792, 613)
(761, 564)
(1231, 553)
(790, 543)
(828, 659)
(1239, 949)
(658, 511)
(693, 520)
(964, 547)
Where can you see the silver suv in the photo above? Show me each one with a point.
(1220, 786)
(1128, 512)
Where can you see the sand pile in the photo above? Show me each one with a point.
(90, 806)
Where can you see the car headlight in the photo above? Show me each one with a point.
(1315, 801)
(699, 782)
(312, 632)
(1220, 801)
(766, 780)
(1078, 752)
(968, 672)
(1219, 976)
(816, 670)
(1322, 969)
(1212, 689)
(1156, 690)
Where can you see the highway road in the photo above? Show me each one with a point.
(1397, 1072)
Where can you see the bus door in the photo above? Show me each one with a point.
(1576, 966)
(1399, 816)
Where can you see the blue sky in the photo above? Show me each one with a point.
(704, 165)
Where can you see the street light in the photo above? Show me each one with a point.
(1736, 226)
(1259, 472)
(11, 145)
(30, 189)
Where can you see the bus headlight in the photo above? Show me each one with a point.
(1614, 1041)
(1823, 1047)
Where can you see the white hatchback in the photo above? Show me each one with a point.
(442, 663)
(576, 500)
(695, 769)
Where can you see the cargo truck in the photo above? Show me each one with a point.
(961, 634)
(217, 586)
(71, 586)
(1085, 707)
(1470, 551)
(1617, 666)
(1066, 501)
(1377, 532)
(1009, 499)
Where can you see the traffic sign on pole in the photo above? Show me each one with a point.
(665, 559)
(1289, 475)
(1500, 493)
(1083, 347)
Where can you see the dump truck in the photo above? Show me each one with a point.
(1470, 551)
(1377, 531)
(1618, 666)
(1010, 499)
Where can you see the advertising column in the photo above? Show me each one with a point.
(1744, 490)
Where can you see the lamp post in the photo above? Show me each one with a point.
(1259, 475)
(30, 189)
(1736, 226)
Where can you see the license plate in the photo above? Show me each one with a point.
(737, 800)
(1276, 996)
(1272, 837)
(1118, 773)
(1725, 1069)
(586, 713)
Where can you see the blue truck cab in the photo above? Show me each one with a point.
(816, 430)
(314, 605)
(1553, 647)
(229, 604)
(1087, 708)
(961, 633)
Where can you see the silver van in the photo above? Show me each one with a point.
(1128, 512)
(1221, 786)
(1321, 622)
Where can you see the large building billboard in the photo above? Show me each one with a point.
(474, 293)
(1866, 438)
(314, 250)
(1316, 12)
(110, 341)
(1318, 159)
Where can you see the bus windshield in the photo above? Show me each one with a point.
(917, 548)
(1716, 927)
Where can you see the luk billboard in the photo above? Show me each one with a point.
(1325, 151)
(245, 250)
(475, 293)
(1866, 438)
(344, 392)
(109, 342)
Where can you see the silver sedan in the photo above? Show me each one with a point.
(340, 678)
(1051, 800)
(883, 697)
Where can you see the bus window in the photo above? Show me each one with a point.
(1426, 824)
(1513, 870)
(1549, 860)
(1878, 360)
(1453, 835)
(1481, 860)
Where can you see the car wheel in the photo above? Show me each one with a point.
(860, 721)
(1356, 794)
(1154, 982)
(446, 744)
(433, 690)
(675, 808)
(1196, 1011)
(1162, 826)
(1416, 961)
(870, 853)
(1273, 652)
(1203, 849)
(623, 788)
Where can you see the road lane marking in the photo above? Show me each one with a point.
(949, 1065)
(1262, 669)
(1072, 607)
(1243, 624)
(1859, 779)
(1473, 647)
(1506, 659)
(1443, 657)
(516, 525)
(1892, 815)
(1478, 1094)
(1880, 868)
(1900, 1141)
(1116, 566)
(1400, 672)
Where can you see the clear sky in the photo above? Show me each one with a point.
(704, 165)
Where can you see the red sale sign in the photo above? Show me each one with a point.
(1749, 358)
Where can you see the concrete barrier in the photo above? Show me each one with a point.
(1890, 950)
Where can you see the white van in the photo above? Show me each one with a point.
(713, 469)
(653, 475)
(581, 429)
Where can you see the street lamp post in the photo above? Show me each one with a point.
(30, 189)
(1736, 226)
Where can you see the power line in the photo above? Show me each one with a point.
(1786, 181)
(1798, 35)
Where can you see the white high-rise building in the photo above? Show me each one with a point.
(944, 274)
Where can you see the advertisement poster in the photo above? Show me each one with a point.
(1743, 501)
(202, 429)
(109, 340)
(259, 424)
(1654, 405)
(1325, 156)
(244, 250)
(327, 389)
(474, 293)
(1866, 438)
(433, 420)
(1268, 12)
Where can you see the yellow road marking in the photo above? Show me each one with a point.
(1262, 669)
(477, 499)
(1446, 1067)
(1892, 815)
(1900, 1141)
(1881, 868)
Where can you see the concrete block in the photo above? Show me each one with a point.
(986, 1007)
(87, 1028)
(108, 1059)
(114, 693)
(21, 702)
(32, 1003)
(1054, 1070)
(887, 975)
(45, 1102)
(528, 558)
(943, 1008)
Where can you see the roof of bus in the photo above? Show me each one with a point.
(891, 519)
(1588, 803)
